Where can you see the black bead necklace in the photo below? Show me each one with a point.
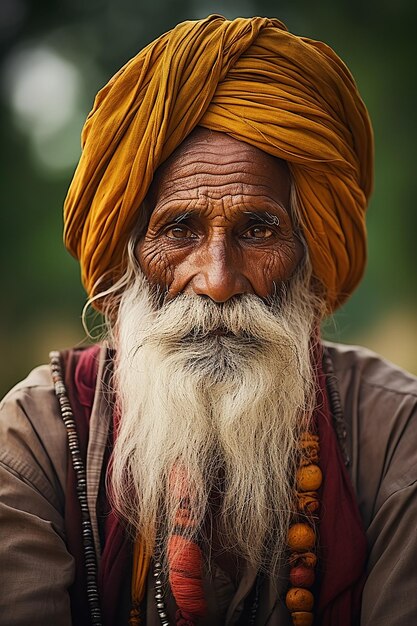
(81, 480)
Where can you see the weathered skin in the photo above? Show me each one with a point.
(220, 223)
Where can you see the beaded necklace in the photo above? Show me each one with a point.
(81, 477)
(302, 534)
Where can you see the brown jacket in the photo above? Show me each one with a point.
(36, 569)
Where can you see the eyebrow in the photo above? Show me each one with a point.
(182, 217)
(264, 217)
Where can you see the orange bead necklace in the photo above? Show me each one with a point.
(302, 535)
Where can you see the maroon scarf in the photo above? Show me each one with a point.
(342, 539)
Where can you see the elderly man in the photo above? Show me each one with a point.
(213, 462)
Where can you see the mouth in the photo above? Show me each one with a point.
(216, 332)
(221, 332)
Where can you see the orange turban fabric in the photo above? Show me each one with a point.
(289, 96)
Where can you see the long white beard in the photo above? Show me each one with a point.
(227, 408)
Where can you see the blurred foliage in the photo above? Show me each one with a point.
(56, 54)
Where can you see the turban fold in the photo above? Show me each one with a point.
(290, 96)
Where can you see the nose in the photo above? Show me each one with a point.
(218, 275)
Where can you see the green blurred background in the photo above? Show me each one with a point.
(56, 54)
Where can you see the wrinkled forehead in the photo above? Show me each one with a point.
(215, 160)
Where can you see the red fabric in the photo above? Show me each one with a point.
(114, 564)
(342, 539)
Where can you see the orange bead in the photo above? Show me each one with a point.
(302, 618)
(298, 599)
(309, 478)
(301, 537)
(302, 576)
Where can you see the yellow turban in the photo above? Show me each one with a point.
(290, 96)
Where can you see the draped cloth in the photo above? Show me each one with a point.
(290, 96)
(342, 543)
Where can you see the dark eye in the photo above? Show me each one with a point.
(261, 231)
(179, 232)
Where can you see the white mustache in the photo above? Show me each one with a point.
(194, 318)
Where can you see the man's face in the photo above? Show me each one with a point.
(220, 223)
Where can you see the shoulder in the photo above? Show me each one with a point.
(33, 436)
(379, 402)
(36, 387)
(33, 442)
(32, 400)
(359, 363)
(33, 391)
